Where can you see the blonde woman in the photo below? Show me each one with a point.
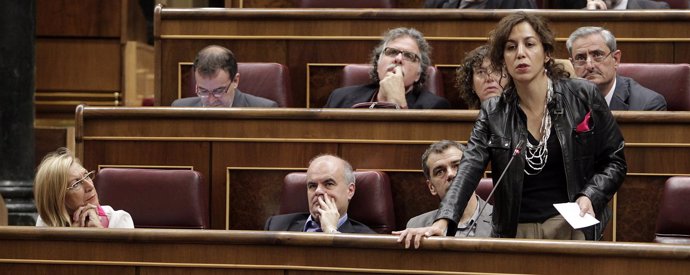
(65, 196)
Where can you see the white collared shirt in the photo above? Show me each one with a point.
(609, 95)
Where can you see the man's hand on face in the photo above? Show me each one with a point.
(392, 86)
(596, 5)
(329, 214)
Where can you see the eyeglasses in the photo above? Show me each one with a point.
(393, 52)
(217, 93)
(485, 73)
(78, 183)
(597, 56)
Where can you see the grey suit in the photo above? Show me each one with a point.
(631, 96)
(240, 100)
(483, 228)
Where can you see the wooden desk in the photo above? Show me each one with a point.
(28, 250)
(315, 44)
(245, 153)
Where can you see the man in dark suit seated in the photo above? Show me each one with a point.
(595, 57)
(330, 186)
(440, 166)
(215, 72)
(398, 75)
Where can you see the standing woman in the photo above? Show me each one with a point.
(574, 149)
(65, 196)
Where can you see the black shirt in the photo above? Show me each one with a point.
(541, 191)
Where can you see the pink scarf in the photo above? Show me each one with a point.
(104, 219)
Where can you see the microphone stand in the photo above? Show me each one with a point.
(516, 152)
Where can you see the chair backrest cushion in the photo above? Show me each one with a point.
(484, 189)
(358, 74)
(371, 205)
(673, 222)
(677, 4)
(156, 198)
(267, 80)
(670, 80)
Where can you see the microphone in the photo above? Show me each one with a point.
(516, 152)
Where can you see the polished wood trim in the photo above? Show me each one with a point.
(365, 241)
(179, 76)
(158, 59)
(283, 113)
(658, 175)
(242, 266)
(296, 140)
(100, 166)
(377, 38)
(76, 102)
(406, 14)
(75, 94)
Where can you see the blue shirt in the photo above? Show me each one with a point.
(313, 226)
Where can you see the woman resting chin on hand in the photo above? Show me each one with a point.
(65, 196)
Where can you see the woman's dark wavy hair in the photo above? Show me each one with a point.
(499, 37)
(464, 79)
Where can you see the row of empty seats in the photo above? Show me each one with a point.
(158, 198)
(272, 81)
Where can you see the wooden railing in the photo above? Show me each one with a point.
(29, 250)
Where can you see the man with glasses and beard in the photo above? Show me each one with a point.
(215, 72)
(595, 57)
(398, 75)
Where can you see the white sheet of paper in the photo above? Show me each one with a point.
(571, 212)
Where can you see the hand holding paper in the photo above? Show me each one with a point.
(571, 212)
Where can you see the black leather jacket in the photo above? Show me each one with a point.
(594, 161)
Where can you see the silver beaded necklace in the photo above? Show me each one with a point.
(537, 155)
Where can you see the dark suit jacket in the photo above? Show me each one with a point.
(240, 100)
(646, 5)
(631, 96)
(491, 4)
(296, 221)
(347, 96)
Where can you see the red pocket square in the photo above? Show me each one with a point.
(584, 125)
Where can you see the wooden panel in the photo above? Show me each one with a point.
(49, 139)
(255, 171)
(250, 150)
(204, 271)
(299, 37)
(89, 18)
(154, 251)
(78, 65)
(66, 269)
(638, 207)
